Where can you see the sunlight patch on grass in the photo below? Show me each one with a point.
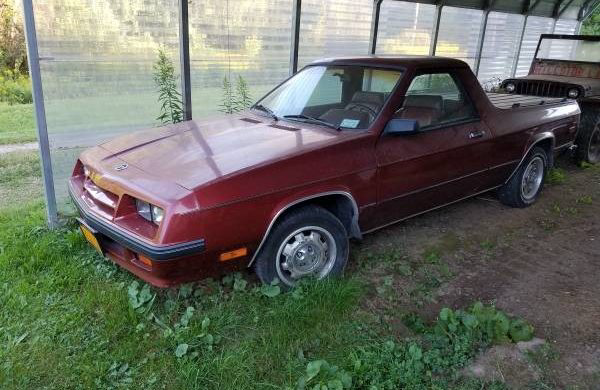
(17, 123)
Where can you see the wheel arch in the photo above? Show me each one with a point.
(546, 141)
(340, 203)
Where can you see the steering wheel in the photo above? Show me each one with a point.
(360, 105)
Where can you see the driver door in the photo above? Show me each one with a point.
(443, 162)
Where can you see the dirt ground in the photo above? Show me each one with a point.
(541, 263)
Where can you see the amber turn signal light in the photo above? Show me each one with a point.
(144, 260)
(233, 254)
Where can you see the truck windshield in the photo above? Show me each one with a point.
(348, 97)
(576, 50)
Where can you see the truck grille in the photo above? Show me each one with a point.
(541, 88)
(105, 200)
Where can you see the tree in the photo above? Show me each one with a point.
(13, 54)
(591, 26)
(169, 96)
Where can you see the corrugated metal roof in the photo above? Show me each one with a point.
(563, 9)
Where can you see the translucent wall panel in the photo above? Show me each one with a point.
(565, 26)
(334, 28)
(560, 48)
(405, 28)
(536, 26)
(248, 38)
(500, 46)
(97, 58)
(459, 33)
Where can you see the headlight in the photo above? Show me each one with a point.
(510, 87)
(157, 214)
(86, 171)
(573, 93)
(144, 209)
(150, 212)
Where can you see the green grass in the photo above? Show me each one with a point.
(66, 319)
(71, 319)
(20, 178)
(17, 124)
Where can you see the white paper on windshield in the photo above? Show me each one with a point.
(350, 123)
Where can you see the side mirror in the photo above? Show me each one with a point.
(398, 126)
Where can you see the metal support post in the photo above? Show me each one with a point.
(40, 112)
(436, 28)
(374, 26)
(184, 56)
(519, 46)
(296, 14)
(480, 41)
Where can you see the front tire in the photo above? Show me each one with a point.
(308, 242)
(524, 187)
(588, 137)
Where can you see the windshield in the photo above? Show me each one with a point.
(335, 96)
(577, 50)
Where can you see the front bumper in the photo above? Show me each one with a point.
(171, 264)
(154, 252)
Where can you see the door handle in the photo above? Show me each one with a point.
(476, 134)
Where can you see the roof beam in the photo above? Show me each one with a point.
(562, 11)
(556, 8)
(532, 7)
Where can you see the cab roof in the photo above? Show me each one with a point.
(399, 62)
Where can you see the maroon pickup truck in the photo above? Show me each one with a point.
(344, 147)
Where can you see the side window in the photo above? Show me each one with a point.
(376, 80)
(434, 99)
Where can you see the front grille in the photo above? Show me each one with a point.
(541, 88)
(99, 197)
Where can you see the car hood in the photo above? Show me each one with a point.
(195, 153)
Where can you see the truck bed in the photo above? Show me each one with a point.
(507, 101)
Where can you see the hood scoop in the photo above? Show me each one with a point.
(282, 127)
(250, 120)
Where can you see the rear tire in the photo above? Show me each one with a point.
(308, 242)
(523, 188)
(588, 136)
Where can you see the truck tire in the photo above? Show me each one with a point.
(524, 186)
(307, 242)
(588, 136)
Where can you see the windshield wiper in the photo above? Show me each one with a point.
(310, 119)
(262, 108)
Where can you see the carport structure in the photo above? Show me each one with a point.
(91, 61)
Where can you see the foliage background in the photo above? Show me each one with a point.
(14, 83)
(592, 25)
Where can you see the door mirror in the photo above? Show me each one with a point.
(398, 126)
